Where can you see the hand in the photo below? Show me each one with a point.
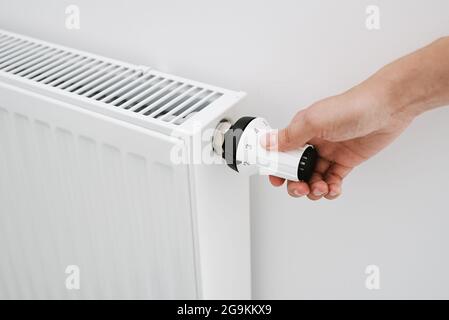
(352, 127)
(346, 130)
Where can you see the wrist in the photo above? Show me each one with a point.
(395, 94)
(399, 102)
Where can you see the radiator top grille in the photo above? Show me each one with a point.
(148, 93)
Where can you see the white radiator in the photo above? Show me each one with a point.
(91, 203)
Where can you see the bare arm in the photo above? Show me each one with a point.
(350, 128)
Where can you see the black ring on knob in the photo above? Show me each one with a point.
(232, 138)
(307, 164)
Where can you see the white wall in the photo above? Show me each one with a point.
(287, 54)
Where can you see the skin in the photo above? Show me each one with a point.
(350, 128)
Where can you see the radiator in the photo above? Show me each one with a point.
(92, 205)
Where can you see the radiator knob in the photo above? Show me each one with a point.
(239, 144)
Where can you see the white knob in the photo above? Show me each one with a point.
(244, 153)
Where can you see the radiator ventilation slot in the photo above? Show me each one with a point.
(147, 93)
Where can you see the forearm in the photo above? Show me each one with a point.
(415, 83)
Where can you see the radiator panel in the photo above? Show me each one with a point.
(86, 180)
(77, 188)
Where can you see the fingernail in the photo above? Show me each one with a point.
(333, 193)
(297, 193)
(317, 192)
(269, 141)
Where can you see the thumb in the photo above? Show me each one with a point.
(294, 136)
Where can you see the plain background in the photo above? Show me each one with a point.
(286, 55)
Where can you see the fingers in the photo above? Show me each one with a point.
(296, 135)
(318, 187)
(334, 186)
(276, 181)
(297, 188)
(326, 182)
(315, 188)
(334, 179)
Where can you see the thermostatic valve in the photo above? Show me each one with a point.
(239, 144)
